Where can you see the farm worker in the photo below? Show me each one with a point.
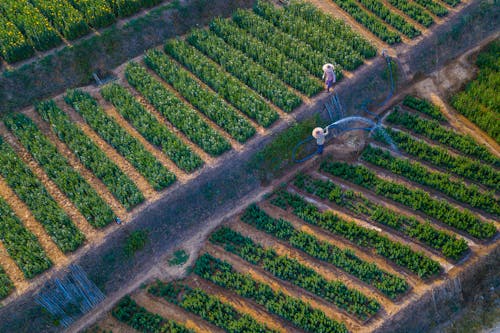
(329, 76)
(319, 134)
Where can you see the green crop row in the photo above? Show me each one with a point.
(452, 3)
(267, 56)
(301, 314)
(128, 146)
(97, 13)
(31, 23)
(176, 111)
(70, 182)
(242, 97)
(402, 255)
(156, 133)
(239, 65)
(431, 129)
(434, 7)
(448, 244)
(209, 307)
(21, 245)
(66, 19)
(416, 199)
(346, 260)
(128, 312)
(371, 22)
(460, 165)
(307, 31)
(423, 106)
(301, 52)
(29, 189)
(416, 172)
(6, 285)
(212, 105)
(414, 11)
(378, 8)
(333, 26)
(13, 46)
(91, 156)
(291, 270)
(480, 101)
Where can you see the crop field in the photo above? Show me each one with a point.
(341, 246)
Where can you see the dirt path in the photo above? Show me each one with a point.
(110, 324)
(241, 304)
(173, 312)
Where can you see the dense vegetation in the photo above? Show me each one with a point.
(480, 101)
(431, 129)
(416, 199)
(301, 314)
(29, 189)
(434, 7)
(423, 106)
(90, 155)
(400, 254)
(449, 245)
(128, 146)
(416, 172)
(21, 245)
(213, 106)
(291, 270)
(6, 285)
(152, 130)
(346, 260)
(209, 307)
(176, 111)
(414, 11)
(128, 312)
(70, 182)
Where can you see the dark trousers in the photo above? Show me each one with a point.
(320, 149)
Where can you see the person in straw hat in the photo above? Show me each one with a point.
(319, 134)
(329, 76)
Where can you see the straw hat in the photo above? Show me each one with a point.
(328, 66)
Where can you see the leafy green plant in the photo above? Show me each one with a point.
(13, 46)
(423, 106)
(434, 7)
(180, 257)
(6, 285)
(414, 11)
(97, 13)
(135, 242)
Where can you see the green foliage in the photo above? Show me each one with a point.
(209, 307)
(213, 106)
(416, 172)
(97, 13)
(128, 146)
(301, 314)
(29, 189)
(423, 106)
(179, 258)
(22, 246)
(414, 11)
(176, 111)
(128, 312)
(267, 56)
(152, 130)
(378, 8)
(402, 255)
(447, 243)
(70, 182)
(236, 93)
(416, 199)
(368, 20)
(431, 129)
(90, 154)
(434, 7)
(462, 166)
(336, 292)
(13, 46)
(239, 65)
(346, 260)
(6, 285)
(320, 39)
(135, 242)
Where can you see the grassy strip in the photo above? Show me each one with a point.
(156, 133)
(234, 91)
(336, 292)
(70, 182)
(209, 307)
(128, 146)
(213, 106)
(301, 314)
(91, 156)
